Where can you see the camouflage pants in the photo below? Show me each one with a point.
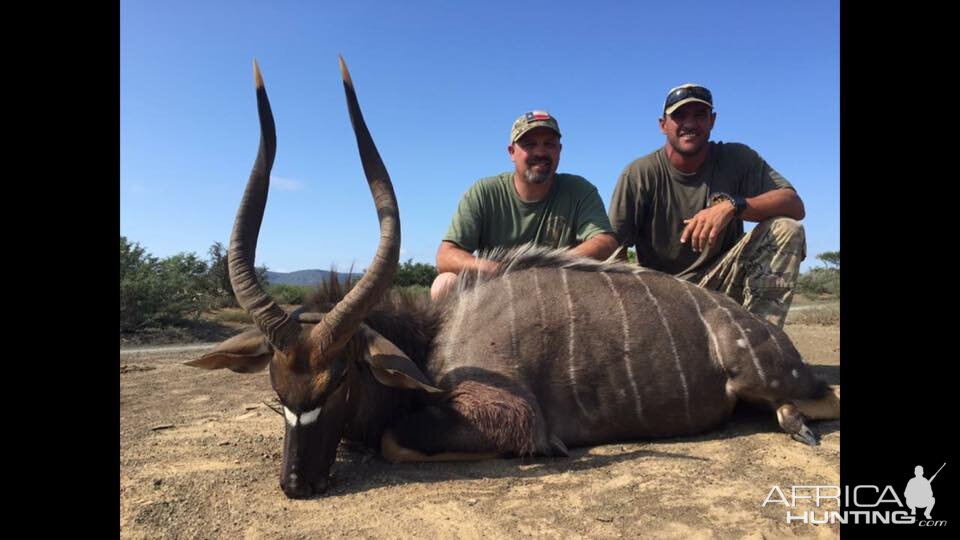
(761, 270)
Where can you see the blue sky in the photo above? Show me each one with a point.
(440, 83)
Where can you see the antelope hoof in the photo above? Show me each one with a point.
(806, 436)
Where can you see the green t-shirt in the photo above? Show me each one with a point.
(491, 214)
(652, 198)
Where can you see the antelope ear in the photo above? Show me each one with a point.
(248, 352)
(390, 365)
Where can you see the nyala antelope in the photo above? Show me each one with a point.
(551, 352)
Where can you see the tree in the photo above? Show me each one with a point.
(831, 258)
(138, 286)
(155, 291)
(161, 291)
(184, 279)
(410, 273)
(218, 273)
(822, 281)
(218, 276)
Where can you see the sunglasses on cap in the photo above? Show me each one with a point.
(685, 92)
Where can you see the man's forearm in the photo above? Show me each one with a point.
(598, 247)
(453, 258)
(775, 203)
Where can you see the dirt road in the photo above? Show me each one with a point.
(200, 456)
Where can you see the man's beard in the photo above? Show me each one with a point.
(532, 177)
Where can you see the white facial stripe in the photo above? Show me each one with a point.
(291, 418)
(310, 417)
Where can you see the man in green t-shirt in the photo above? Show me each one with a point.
(531, 204)
(683, 207)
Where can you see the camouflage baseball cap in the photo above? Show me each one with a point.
(530, 120)
(686, 93)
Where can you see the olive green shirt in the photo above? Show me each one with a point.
(491, 214)
(652, 198)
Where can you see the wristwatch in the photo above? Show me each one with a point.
(739, 201)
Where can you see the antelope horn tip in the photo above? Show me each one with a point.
(344, 72)
(257, 78)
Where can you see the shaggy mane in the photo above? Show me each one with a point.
(407, 319)
(533, 256)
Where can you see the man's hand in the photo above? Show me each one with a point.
(705, 227)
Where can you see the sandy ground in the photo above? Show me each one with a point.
(200, 457)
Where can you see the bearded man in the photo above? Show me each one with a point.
(531, 204)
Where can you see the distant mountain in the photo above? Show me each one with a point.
(305, 277)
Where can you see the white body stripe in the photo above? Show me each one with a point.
(753, 355)
(451, 344)
(776, 341)
(713, 336)
(626, 345)
(673, 346)
(543, 315)
(572, 345)
(512, 315)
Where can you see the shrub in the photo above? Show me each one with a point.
(828, 315)
(218, 277)
(289, 294)
(410, 273)
(819, 281)
(154, 291)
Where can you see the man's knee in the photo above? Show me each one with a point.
(442, 285)
(787, 227)
(788, 234)
(783, 227)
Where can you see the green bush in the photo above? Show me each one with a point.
(289, 294)
(155, 291)
(218, 277)
(819, 281)
(410, 273)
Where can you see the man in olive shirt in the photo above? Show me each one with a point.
(683, 207)
(531, 204)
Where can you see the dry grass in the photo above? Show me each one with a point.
(827, 314)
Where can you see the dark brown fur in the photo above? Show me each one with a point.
(503, 418)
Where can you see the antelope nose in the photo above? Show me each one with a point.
(295, 488)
